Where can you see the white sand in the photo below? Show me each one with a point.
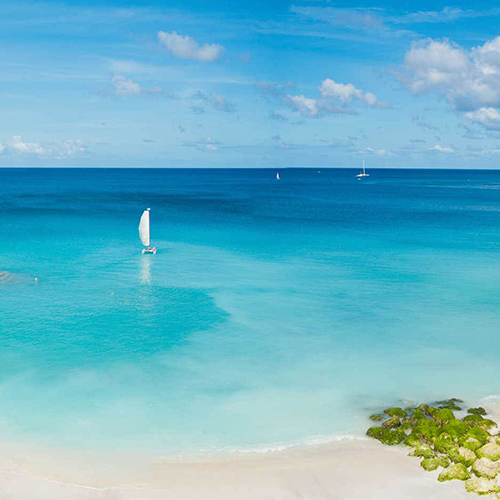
(357, 469)
(350, 469)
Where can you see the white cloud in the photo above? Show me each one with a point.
(375, 152)
(184, 47)
(331, 93)
(68, 148)
(124, 87)
(344, 92)
(347, 92)
(16, 146)
(489, 117)
(304, 105)
(442, 149)
(468, 79)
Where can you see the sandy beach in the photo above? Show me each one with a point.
(351, 469)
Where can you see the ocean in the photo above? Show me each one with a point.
(274, 313)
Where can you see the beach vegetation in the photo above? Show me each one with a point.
(423, 452)
(434, 463)
(485, 467)
(490, 451)
(450, 404)
(454, 472)
(477, 411)
(395, 412)
(464, 449)
(482, 486)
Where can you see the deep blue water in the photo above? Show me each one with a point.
(273, 312)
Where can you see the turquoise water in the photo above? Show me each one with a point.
(273, 312)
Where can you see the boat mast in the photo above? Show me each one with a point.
(364, 167)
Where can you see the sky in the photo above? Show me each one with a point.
(250, 83)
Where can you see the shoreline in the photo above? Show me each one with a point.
(343, 467)
(357, 469)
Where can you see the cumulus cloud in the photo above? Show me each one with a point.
(347, 92)
(16, 146)
(124, 86)
(335, 99)
(185, 47)
(67, 149)
(488, 117)
(442, 149)
(468, 79)
(305, 105)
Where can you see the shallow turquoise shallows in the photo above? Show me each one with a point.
(275, 312)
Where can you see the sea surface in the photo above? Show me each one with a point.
(274, 313)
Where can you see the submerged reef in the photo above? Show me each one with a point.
(464, 449)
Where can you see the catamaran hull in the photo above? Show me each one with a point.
(149, 250)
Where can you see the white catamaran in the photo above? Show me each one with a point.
(144, 232)
(363, 173)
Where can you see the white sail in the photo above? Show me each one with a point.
(144, 228)
(278, 176)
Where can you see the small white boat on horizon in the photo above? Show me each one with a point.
(362, 173)
(278, 178)
(145, 232)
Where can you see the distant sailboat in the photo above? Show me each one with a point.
(278, 178)
(363, 173)
(144, 232)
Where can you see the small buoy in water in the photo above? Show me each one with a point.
(36, 280)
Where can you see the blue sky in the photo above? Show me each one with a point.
(275, 83)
